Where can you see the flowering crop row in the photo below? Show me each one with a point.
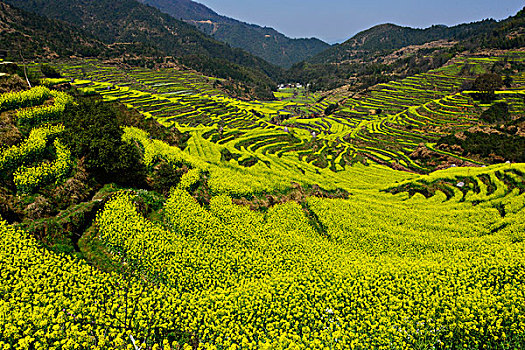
(18, 158)
(50, 82)
(270, 281)
(50, 301)
(246, 182)
(27, 179)
(155, 150)
(30, 149)
(34, 97)
(189, 179)
(45, 113)
(309, 292)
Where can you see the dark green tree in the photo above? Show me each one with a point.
(331, 108)
(93, 133)
(166, 175)
(508, 81)
(499, 112)
(49, 72)
(486, 84)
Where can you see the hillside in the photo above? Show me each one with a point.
(127, 21)
(263, 42)
(390, 52)
(35, 36)
(388, 123)
(146, 208)
(388, 37)
(508, 34)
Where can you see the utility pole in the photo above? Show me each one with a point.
(25, 70)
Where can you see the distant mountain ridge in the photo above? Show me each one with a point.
(132, 32)
(124, 21)
(507, 34)
(390, 52)
(388, 36)
(263, 42)
(186, 9)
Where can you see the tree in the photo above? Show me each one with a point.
(167, 175)
(486, 84)
(93, 133)
(508, 81)
(49, 72)
(331, 108)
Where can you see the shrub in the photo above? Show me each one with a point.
(331, 109)
(166, 176)
(49, 72)
(498, 112)
(509, 147)
(93, 133)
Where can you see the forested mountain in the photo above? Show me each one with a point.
(388, 52)
(264, 42)
(186, 9)
(387, 37)
(508, 34)
(128, 22)
(32, 35)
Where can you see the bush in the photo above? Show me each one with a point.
(93, 133)
(508, 81)
(498, 112)
(49, 72)
(508, 147)
(166, 176)
(331, 109)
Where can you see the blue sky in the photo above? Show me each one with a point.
(338, 20)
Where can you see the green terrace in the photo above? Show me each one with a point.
(384, 126)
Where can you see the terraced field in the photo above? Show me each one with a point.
(345, 253)
(385, 126)
(30, 164)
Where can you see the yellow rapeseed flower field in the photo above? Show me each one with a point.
(380, 269)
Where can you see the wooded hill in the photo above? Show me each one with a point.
(263, 42)
(124, 23)
(387, 37)
(387, 51)
(32, 35)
